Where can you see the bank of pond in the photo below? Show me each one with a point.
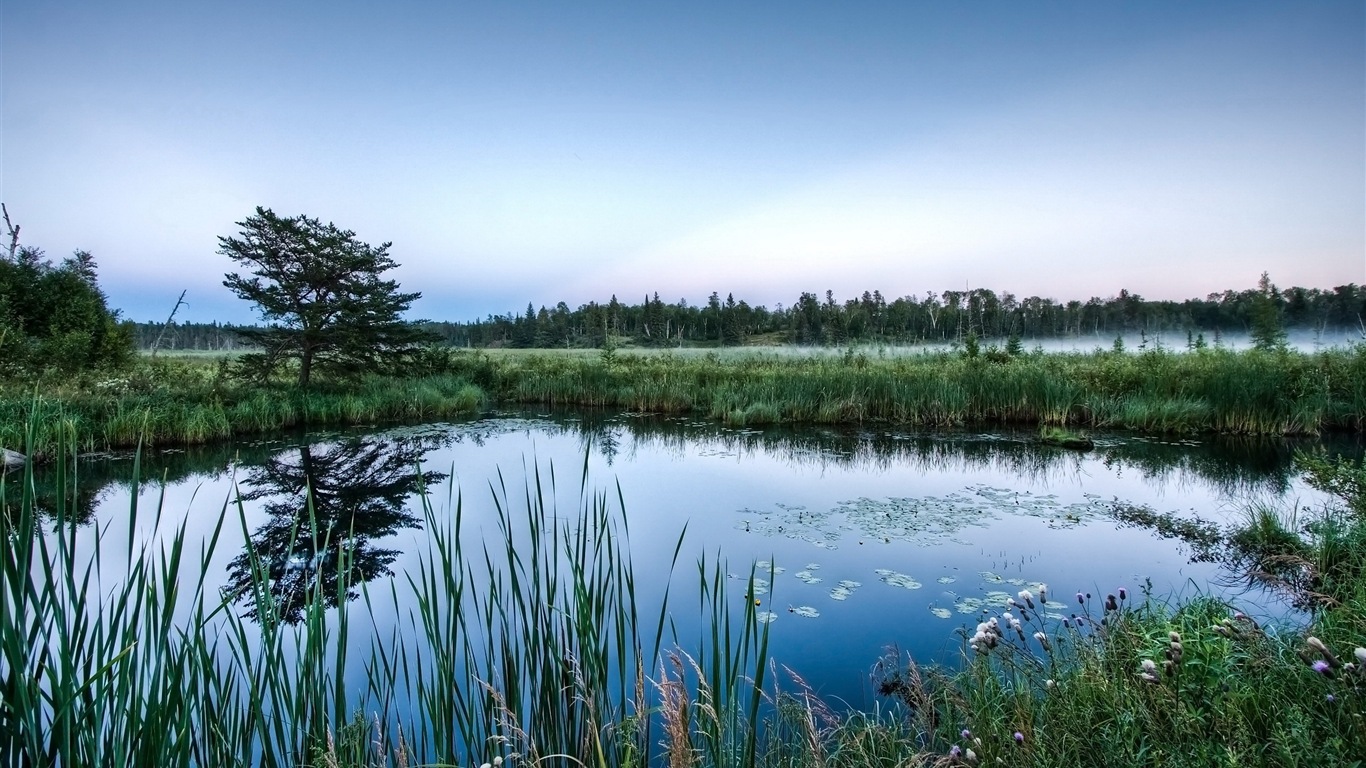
(182, 401)
(615, 587)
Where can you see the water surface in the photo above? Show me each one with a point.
(860, 539)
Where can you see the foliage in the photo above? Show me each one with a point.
(942, 317)
(1157, 391)
(321, 291)
(55, 317)
(1268, 333)
(177, 401)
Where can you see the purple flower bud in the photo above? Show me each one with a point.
(1081, 599)
(1123, 594)
(1331, 698)
(966, 734)
(1322, 667)
(955, 752)
(1019, 738)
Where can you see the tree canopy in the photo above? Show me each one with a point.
(54, 316)
(321, 294)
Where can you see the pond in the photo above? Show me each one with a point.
(859, 539)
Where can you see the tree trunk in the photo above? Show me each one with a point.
(305, 365)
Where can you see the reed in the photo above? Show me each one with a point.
(1260, 393)
(529, 644)
(183, 411)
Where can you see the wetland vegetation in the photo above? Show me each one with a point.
(530, 638)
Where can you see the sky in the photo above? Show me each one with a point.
(545, 152)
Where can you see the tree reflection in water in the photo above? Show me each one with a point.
(359, 490)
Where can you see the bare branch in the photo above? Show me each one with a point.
(13, 232)
(167, 324)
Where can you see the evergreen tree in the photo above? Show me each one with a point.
(321, 291)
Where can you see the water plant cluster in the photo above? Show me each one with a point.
(191, 401)
(1157, 391)
(176, 402)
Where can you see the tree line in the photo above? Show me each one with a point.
(942, 317)
(870, 318)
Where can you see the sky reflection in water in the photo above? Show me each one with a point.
(859, 539)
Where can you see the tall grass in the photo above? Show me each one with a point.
(177, 404)
(530, 643)
(1156, 391)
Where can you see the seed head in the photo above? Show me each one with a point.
(1360, 653)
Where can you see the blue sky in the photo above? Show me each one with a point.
(546, 152)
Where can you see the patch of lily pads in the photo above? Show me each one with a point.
(925, 521)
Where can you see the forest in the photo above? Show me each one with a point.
(867, 319)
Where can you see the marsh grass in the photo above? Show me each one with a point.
(1283, 393)
(528, 644)
(179, 402)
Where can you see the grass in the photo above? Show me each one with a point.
(529, 644)
(189, 400)
(166, 402)
(1252, 393)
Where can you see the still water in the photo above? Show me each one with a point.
(860, 539)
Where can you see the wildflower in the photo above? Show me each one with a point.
(1322, 667)
(1049, 684)
(1173, 636)
(1081, 599)
(1123, 594)
(1028, 597)
(1043, 640)
(955, 752)
(970, 757)
(1149, 666)
(1110, 604)
(1330, 698)
(1318, 645)
(966, 734)
(1222, 630)
(1360, 653)
(1043, 593)
(1019, 738)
